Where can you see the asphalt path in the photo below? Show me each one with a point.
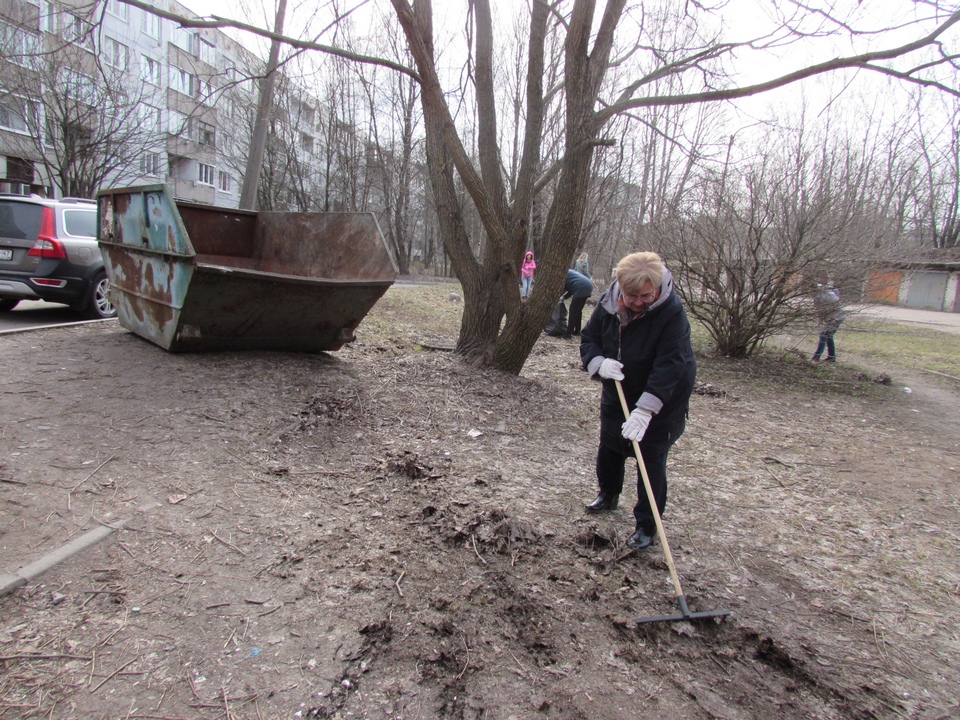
(32, 314)
(935, 319)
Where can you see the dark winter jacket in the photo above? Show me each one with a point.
(658, 364)
(577, 285)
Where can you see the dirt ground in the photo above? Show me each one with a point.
(383, 532)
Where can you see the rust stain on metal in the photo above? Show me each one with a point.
(231, 279)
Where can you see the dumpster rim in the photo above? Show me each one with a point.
(214, 269)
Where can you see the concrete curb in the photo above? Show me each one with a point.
(9, 582)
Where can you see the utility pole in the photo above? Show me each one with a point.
(251, 177)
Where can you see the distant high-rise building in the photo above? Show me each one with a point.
(107, 95)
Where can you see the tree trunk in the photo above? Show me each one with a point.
(491, 284)
(251, 178)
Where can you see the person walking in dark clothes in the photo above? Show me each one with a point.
(578, 287)
(831, 314)
(639, 334)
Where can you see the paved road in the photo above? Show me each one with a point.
(946, 321)
(33, 313)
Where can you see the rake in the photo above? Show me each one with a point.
(685, 613)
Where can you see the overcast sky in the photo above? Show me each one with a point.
(743, 19)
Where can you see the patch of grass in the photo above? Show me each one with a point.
(410, 314)
(790, 369)
(884, 341)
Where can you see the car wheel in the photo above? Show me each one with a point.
(8, 304)
(100, 305)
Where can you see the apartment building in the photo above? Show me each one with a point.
(88, 81)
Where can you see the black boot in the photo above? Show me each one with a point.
(641, 539)
(604, 502)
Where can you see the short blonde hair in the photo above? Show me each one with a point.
(638, 268)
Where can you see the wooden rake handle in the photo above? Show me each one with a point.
(652, 500)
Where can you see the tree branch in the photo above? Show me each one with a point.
(215, 21)
(856, 61)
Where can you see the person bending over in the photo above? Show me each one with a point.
(578, 288)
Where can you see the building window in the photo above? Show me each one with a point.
(184, 82)
(48, 17)
(17, 44)
(206, 134)
(76, 86)
(19, 169)
(118, 9)
(205, 174)
(150, 25)
(224, 182)
(180, 124)
(115, 53)
(78, 31)
(306, 143)
(208, 51)
(16, 114)
(150, 164)
(175, 166)
(187, 40)
(152, 71)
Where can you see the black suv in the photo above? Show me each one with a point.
(49, 251)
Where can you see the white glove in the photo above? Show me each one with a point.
(636, 424)
(611, 369)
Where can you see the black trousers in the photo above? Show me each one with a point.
(614, 451)
(576, 315)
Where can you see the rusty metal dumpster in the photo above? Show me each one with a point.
(194, 277)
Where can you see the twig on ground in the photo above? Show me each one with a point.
(299, 473)
(74, 489)
(229, 545)
(113, 675)
(397, 583)
(522, 668)
(769, 459)
(467, 663)
(779, 481)
(54, 656)
(474, 539)
(655, 691)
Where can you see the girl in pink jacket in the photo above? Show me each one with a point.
(526, 274)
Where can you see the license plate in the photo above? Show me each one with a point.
(6, 254)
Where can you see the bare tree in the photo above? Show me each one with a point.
(496, 327)
(258, 139)
(490, 279)
(394, 163)
(759, 235)
(938, 184)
